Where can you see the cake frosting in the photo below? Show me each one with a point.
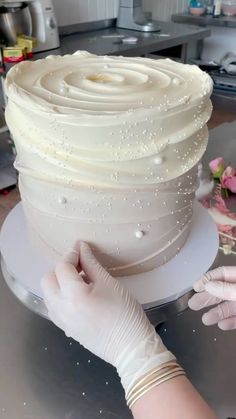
(107, 152)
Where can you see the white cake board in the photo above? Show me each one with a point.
(165, 284)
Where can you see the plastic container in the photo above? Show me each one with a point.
(197, 11)
(197, 8)
(229, 8)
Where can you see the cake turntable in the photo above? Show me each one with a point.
(162, 292)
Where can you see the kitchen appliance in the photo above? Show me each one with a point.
(14, 21)
(224, 82)
(228, 63)
(132, 16)
(33, 17)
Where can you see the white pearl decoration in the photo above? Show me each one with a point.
(176, 81)
(158, 160)
(139, 234)
(62, 200)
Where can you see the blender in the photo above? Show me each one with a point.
(33, 18)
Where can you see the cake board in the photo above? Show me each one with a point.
(162, 291)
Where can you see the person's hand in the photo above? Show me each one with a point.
(96, 310)
(218, 288)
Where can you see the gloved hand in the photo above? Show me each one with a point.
(217, 287)
(96, 310)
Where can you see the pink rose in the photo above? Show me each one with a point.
(217, 167)
(228, 180)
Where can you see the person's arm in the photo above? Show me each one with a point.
(174, 399)
(94, 308)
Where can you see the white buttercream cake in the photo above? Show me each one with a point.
(107, 152)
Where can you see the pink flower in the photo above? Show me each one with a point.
(228, 180)
(217, 167)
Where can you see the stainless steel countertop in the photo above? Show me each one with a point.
(99, 42)
(44, 375)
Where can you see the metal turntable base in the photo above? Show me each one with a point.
(162, 292)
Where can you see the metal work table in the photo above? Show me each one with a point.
(44, 375)
(109, 41)
(206, 20)
(105, 41)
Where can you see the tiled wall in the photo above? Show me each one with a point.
(70, 12)
(163, 9)
(77, 11)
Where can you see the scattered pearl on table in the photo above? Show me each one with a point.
(139, 234)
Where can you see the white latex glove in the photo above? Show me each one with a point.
(217, 287)
(96, 310)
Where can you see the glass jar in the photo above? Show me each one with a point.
(209, 4)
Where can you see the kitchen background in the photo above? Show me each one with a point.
(72, 12)
(79, 11)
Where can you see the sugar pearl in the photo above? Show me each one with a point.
(158, 160)
(62, 200)
(176, 81)
(139, 234)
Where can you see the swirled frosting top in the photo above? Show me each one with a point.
(88, 85)
(119, 120)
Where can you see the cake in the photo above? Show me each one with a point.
(107, 152)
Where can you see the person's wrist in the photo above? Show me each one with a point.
(135, 362)
(154, 378)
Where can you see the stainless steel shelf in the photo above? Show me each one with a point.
(205, 20)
